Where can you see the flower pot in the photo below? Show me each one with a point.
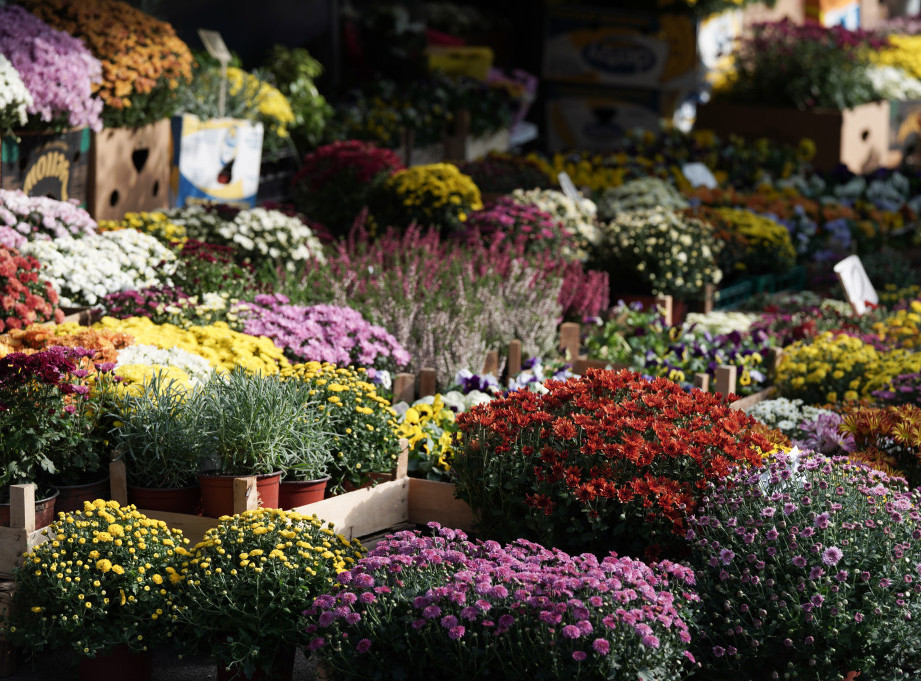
(282, 669)
(217, 492)
(296, 493)
(71, 497)
(170, 499)
(44, 511)
(115, 665)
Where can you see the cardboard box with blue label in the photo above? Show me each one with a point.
(633, 49)
(215, 160)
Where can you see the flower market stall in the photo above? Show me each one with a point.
(599, 415)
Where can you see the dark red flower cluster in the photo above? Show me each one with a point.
(25, 298)
(610, 452)
(362, 160)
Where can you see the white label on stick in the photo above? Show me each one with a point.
(568, 187)
(856, 283)
(699, 175)
(214, 43)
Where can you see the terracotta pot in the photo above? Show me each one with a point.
(44, 511)
(282, 669)
(71, 497)
(217, 492)
(295, 493)
(170, 499)
(116, 665)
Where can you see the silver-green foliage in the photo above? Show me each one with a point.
(155, 433)
(255, 424)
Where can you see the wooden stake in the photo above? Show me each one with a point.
(118, 482)
(570, 339)
(22, 507)
(426, 382)
(514, 358)
(245, 494)
(402, 469)
(491, 364)
(666, 304)
(702, 382)
(404, 388)
(725, 379)
(709, 297)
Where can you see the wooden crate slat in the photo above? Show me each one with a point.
(193, 526)
(364, 511)
(753, 399)
(432, 501)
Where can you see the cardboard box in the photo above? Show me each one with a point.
(596, 118)
(834, 13)
(47, 164)
(585, 44)
(129, 170)
(858, 137)
(215, 160)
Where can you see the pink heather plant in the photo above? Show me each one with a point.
(28, 218)
(527, 226)
(322, 333)
(56, 68)
(808, 569)
(442, 607)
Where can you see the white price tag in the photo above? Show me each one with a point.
(699, 175)
(215, 45)
(856, 283)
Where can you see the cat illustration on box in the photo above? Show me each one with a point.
(228, 156)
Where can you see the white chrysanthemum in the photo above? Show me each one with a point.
(15, 98)
(87, 269)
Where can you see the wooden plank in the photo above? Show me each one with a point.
(193, 526)
(582, 364)
(245, 494)
(404, 388)
(14, 541)
(513, 366)
(426, 381)
(709, 297)
(744, 403)
(118, 481)
(7, 652)
(491, 363)
(702, 382)
(570, 340)
(22, 507)
(402, 468)
(364, 511)
(431, 501)
(667, 305)
(724, 380)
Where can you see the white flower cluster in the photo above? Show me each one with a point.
(785, 415)
(893, 83)
(578, 218)
(720, 322)
(15, 98)
(271, 233)
(198, 368)
(86, 269)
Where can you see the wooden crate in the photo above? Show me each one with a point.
(22, 534)
(7, 652)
